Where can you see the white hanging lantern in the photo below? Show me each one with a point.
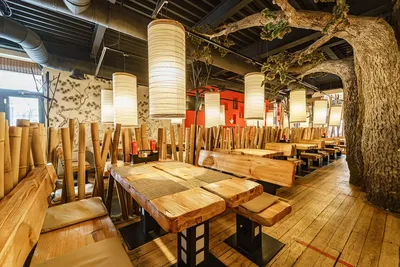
(254, 104)
(212, 109)
(107, 107)
(167, 75)
(222, 115)
(298, 105)
(176, 121)
(306, 124)
(270, 118)
(335, 116)
(125, 99)
(320, 112)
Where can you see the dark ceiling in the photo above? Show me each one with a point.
(72, 37)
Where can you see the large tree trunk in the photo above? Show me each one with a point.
(352, 113)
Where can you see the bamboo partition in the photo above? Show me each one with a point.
(82, 161)
(15, 148)
(160, 136)
(68, 176)
(192, 148)
(37, 153)
(71, 126)
(125, 144)
(8, 176)
(199, 144)
(237, 139)
(25, 148)
(43, 139)
(52, 144)
(173, 144)
(143, 137)
(180, 142)
(115, 143)
(2, 137)
(187, 144)
(138, 138)
(164, 143)
(98, 189)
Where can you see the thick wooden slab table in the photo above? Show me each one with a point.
(301, 146)
(181, 198)
(260, 152)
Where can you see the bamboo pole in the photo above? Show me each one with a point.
(125, 144)
(25, 148)
(143, 135)
(15, 147)
(192, 148)
(237, 139)
(228, 139)
(2, 137)
(260, 138)
(223, 139)
(82, 161)
(71, 126)
(68, 176)
(94, 127)
(173, 144)
(8, 175)
(115, 143)
(217, 137)
(37, 153)
(164, 149)
(187, 144)
(43, 139)
(242, 140)
(180, 142)
(199, 144)
(51, 145)
(138, 138)
(160, 136)
(30, 156)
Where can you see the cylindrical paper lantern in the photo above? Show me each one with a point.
(167, 75)
(212, 109)
(176, 121)
(222, 115)
(270, 118)
(335, 116)
(107, 107)
(306, 124)
(254, 96)
(320, 111)
(298, 105)
(125, 99)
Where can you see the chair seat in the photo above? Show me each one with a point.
(108, 252)
(74, 212)
(260, 203)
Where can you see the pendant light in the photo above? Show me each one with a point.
(222, 115)
(167, 75)
(253, 96)
(320, 112)
(176, 121)
(336, 116)
(305, 124)
(212, 109)
(107, 107)
(298, 105)
(125, 99)
(270, 118)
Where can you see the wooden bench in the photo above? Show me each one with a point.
(264, 210)
(311, 158)
(289, 151)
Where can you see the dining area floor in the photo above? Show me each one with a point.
(331, 224)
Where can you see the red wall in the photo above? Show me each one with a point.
(236, 115)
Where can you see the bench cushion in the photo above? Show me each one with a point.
(72, 213)
(260, 203)
(108, 252)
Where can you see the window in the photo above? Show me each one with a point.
(10, 80)
(23, 108)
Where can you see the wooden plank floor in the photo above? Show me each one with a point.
(331, 224)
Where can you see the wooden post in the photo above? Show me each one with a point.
(43, 139)
(237, 139)
(242, 139)
(164, 143)
(25, 149)
(37, 152)
(260, 138)
(51, 145)
(125, 145)
(138, 138)
(99, 182)
(15, 147)
(145, 142)
(180, 142)
(199, 144)
(82, 161)
(228, 139)
(68, 176)
(217, 137)
(160, 136)
(173, 144)
(115, 142)
(8, 175)
(187, 144)
(71, 126)
(192, 148)
(2, 137)
(30, 156)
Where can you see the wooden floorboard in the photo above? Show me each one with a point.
(331, 224)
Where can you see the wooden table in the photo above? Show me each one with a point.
(260, 152)
(181, 198)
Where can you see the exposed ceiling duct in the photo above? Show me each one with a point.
(77, 6)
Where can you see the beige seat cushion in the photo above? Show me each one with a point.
(72, 213)
(58, 193)
(260, 203)
(109, 252)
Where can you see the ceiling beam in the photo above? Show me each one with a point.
(223, 11)
(329, 52)
(98, 38)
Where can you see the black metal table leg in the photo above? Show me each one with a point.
(193, 247)
(252, 243)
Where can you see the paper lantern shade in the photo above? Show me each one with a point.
(320, 112)
(212, 109)
(335, 116)
(298, 105)
(167, 75)
(254, 104)
(125, 99)
(270, 118)
(222, 115)
(107, 106)
(306, 124)
(176, 121)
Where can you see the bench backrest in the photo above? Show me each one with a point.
(288, 150)
(321, 144)
(22, 213)
(279, 172)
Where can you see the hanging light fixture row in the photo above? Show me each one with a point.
(335, 116)
(125, 99)
(254, 96)
(320, 112)
(297, 103)
(212, 109)
(167, 75)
